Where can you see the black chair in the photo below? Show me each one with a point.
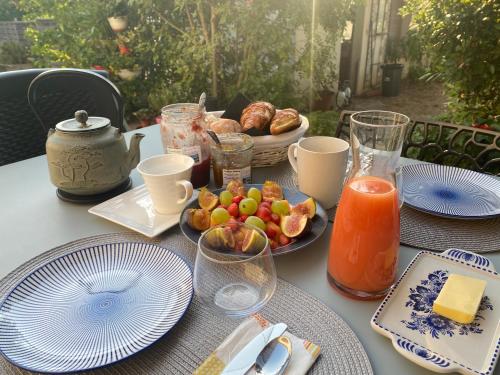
(56, 94)
(21, 133)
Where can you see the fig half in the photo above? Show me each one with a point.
(308, 207)
(295, 225)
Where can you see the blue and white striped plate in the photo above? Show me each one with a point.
(94, 307)
(451, 192)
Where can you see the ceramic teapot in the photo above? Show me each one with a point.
(87, 156)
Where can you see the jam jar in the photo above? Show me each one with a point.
(183, 130)
(232, 158)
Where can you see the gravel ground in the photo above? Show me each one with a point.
(418, 100)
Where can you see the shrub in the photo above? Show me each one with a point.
(188, 46)
(462, 41)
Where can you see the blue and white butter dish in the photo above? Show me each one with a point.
(430, 340)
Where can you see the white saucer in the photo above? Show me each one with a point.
(434, 342)
(134, 210)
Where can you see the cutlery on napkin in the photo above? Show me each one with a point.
(304, 352)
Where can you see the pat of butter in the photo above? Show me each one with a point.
(459, 298)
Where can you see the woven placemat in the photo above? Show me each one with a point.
(425, 231)
(200, 332)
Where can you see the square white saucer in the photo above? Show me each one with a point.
(134, 210)
(434, 342)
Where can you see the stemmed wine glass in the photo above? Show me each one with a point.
(231, 282)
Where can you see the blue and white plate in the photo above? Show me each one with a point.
(94, 307)
(451, 192)
(430, 340)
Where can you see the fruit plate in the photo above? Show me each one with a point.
(451, 192)
(432, 341)
(319, 221)
(94, 307)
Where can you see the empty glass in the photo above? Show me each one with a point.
(233, 283)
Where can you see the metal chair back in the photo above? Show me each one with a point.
(21, 133)
(444, 143)
(57, 94)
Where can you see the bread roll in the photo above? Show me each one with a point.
(285, 120)
(225, 125)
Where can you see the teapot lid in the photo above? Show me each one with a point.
(82, 122)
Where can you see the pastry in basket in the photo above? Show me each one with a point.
(285, 120)
(225, 125)
(257, 115)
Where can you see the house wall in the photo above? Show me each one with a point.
(367, 54)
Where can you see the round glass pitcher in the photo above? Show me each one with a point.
(364, 246)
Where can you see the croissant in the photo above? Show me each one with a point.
(257, 115)
(225, 125)
(284, 121)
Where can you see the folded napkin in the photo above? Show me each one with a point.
(304, 352)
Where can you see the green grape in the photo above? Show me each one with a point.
(219, 216)
(248, 206)
(280, 207)
(226, 198)
(256, 222)
(255, 194)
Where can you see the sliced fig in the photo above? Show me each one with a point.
(295, 225)
(308, 207)
(236, 188)
(198, 218)
(207, 199)
(271, 191)
(220, 239)
(254, 242)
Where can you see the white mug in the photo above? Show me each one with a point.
(320, 163)
(167, 179)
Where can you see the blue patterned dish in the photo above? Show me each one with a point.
(432, 341)
(451, 192)
(94, 307)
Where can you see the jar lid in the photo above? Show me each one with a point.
(82, 122)
(235, 142)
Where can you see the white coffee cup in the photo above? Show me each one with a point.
(320, 163)
(167, 179)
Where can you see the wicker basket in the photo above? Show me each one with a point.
(269, 150)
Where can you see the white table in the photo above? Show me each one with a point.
(34, 220)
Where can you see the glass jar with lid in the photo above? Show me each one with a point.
(232, 158)
(183, 130)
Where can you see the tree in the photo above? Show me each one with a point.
(462, 40)
(9, 11)
(185, 47)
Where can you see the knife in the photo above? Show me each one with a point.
(247, 356)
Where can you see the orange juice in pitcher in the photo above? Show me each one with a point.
(364, 246)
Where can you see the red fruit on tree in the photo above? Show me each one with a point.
(233, 209)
